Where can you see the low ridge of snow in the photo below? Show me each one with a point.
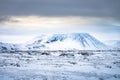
(8, 46)
(113, 43)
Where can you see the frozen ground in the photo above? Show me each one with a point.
(60, 65)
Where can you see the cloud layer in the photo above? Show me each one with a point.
(91, 8)
(36, 25)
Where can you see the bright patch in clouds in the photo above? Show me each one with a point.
(53, 24)
(49, 20)
(34, 21)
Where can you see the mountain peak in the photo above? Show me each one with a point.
(67, 41)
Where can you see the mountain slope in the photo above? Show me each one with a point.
(66, 41)
(113, 43)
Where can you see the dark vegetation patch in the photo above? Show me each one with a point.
(72, 62)
(45, 53)
(66, 55)
(85, 53)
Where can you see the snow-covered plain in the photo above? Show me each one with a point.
(60, 65)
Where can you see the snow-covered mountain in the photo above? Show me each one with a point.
(81, 41)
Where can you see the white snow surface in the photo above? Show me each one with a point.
(60, 65)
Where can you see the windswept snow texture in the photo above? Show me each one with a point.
(60, 65)
(80, 41)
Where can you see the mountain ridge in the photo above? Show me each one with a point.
(70, 41)
(83, 39)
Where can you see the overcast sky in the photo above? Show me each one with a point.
(21, 20)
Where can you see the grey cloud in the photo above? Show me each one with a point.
(4, 18)
(88, 8)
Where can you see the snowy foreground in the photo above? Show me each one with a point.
(60, 65)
